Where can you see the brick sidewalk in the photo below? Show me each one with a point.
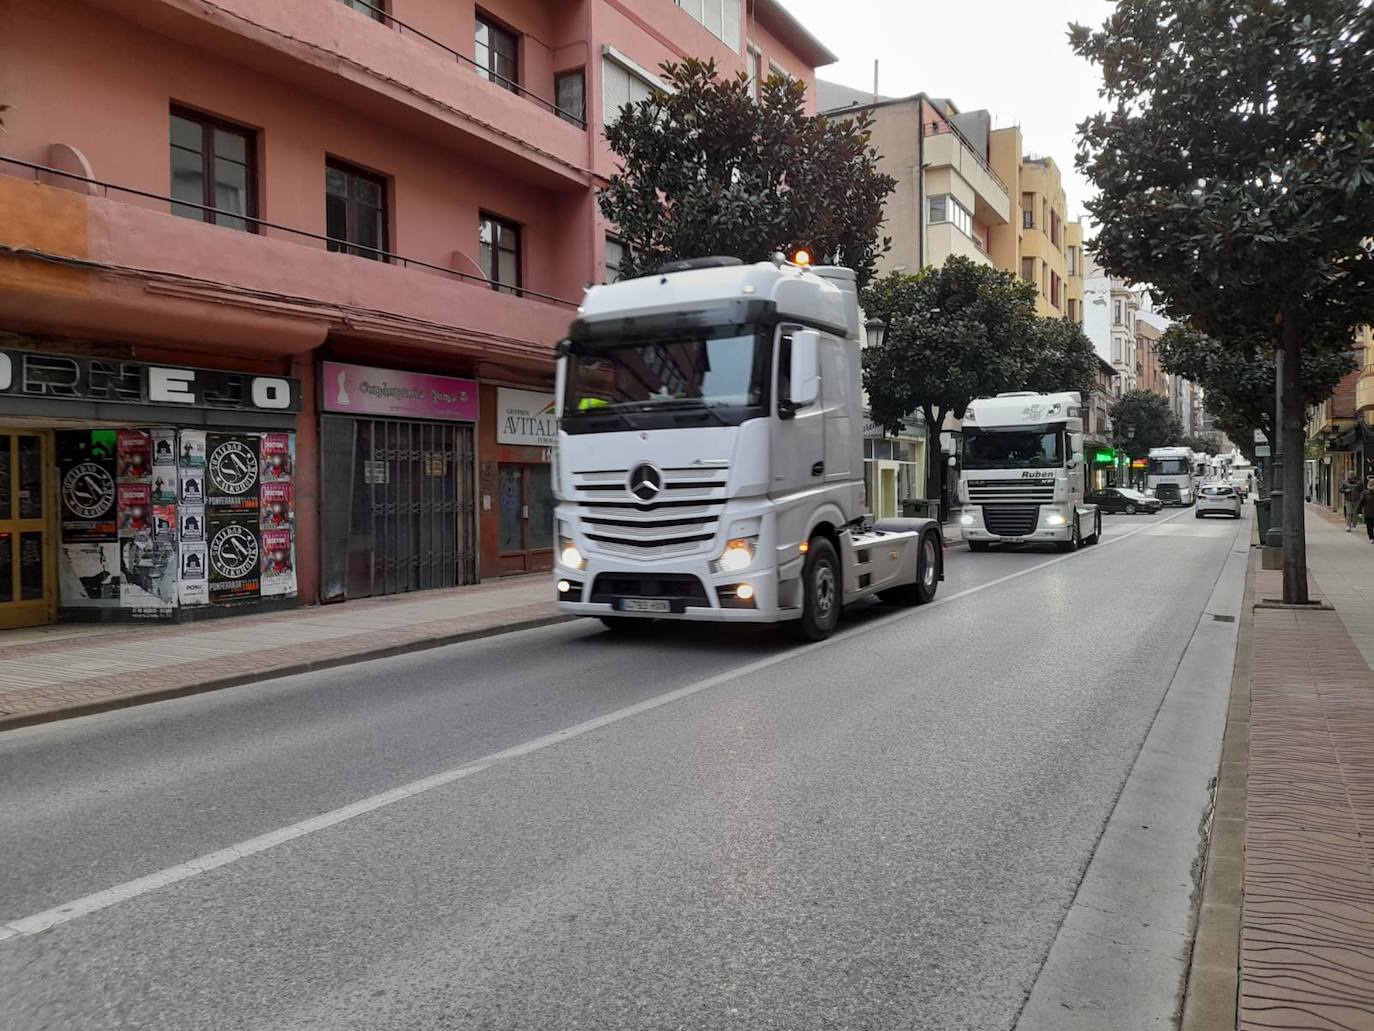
(90, 668)
(1307, 939)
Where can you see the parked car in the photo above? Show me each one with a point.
(1219, 499)
(1124, 499)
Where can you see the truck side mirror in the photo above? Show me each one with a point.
(805, 372)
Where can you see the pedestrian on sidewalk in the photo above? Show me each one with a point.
(1365, 508)
(1350, 496)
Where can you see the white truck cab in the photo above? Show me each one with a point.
(1172, 475)
(710, 454)
(1022, 472)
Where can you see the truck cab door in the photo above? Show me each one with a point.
(798, 424)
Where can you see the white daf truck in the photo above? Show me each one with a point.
(710, 454)
(1022, 473)
(1171, 474)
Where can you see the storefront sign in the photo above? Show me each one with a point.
(525, 417)
(63, 377)
(360, 390)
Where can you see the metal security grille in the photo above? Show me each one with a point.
(1011, 520)
(398, 510)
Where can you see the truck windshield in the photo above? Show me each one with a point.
(1170, 467)
(710, 377)
(1026, 447)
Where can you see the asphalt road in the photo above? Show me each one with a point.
(883, 831)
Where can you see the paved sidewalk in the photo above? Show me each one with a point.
(68, 670)
(1307, 938)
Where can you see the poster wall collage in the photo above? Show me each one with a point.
(153, 519)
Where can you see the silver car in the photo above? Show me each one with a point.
(1218, 499)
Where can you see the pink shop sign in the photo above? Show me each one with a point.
(360, 390)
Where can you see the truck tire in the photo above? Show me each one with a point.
(1072, 543)
(927, 577)
(626, 625)
(822, 591)
(977, 545)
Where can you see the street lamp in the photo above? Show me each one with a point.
(876, 331)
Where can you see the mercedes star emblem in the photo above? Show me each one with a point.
(645, 482)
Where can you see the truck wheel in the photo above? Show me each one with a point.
(1097, 529)
(626, 625)
(927, 579)
(821, 590)
(977, 545)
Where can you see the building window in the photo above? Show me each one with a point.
(721, 18)
(1072, 257)
(1054, 228)
(499, 242)
(776, 69)
(1027, 211)
(1054, 288)
(1117, 356)
(213, 166)
(498, 54)
(1028, 269)
(615, 257)
(755, 68)
(1119, 313)
(570, 96)
(355, 211)
(374, 9)
(620, 86)
(944, 208)
(1073, 309)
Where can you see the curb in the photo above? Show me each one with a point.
(1210, 999)
(158, 694)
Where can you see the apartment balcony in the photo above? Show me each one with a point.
(1364, 391)
(946, 147)
(397, 72)
(89, 259)
(943, 239)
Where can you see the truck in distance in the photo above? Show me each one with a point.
(710, 454)
(1171, 473)
(1022, 477)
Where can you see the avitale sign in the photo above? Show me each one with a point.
(525, 417)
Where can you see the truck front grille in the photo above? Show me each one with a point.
(680, 520)
(1011, 520)
(682, 587)
(1167, 491)
(982, 492)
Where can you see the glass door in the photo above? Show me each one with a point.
(525, 504)
(27, 589)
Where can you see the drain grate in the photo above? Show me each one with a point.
(1224, 619)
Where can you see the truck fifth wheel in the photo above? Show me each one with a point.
(710, 454)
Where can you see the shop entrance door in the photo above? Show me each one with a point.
(27, 580)
(397, 506)
(525, 508)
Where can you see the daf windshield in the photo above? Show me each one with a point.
(1026, 447)
(1170, 467)
(709, 377)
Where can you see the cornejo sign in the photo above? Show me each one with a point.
(525, 417)
(63, 377)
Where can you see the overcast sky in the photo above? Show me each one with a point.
(1009, 56)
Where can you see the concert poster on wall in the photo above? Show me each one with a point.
(86, 482)
(278, 563)
(234, 558)
(231, 474)
(135, 454)
(135, 507)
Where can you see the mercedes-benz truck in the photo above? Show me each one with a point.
(1022, 473)
(710, 454)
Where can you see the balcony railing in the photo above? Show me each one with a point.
(934, 128)
(382, 15)
(258, 224)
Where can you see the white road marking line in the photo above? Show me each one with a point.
(99, 900)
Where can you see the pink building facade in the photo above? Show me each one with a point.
(280, 283)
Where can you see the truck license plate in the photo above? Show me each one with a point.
(645, 605)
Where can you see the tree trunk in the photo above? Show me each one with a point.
(935, 418)
(1294, 526)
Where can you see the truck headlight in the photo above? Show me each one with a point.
(966, 519)
(737, 556)
(569, 556)
(1055, 519)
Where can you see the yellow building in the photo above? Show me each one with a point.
(1073, 274)
(1035, 244)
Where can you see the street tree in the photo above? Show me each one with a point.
(706, 169)
(1235, 171)
(953, 333)
(1238, 379)
(1142, 420)
(1063, 359)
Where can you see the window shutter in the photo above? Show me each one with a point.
(732, 21)
(615, 90)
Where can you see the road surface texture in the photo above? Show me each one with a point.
(696, 829)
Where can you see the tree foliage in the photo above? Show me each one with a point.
(1063, 359)
(1235, 171)
(954, 333)
(706, 169)
(1142, 420)
(1238, 379)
